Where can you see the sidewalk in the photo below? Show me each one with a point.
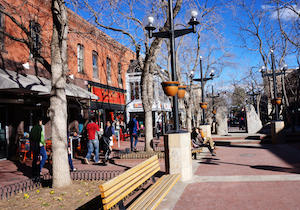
(247, 176)
(241, 177)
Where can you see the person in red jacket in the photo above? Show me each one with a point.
(93, 143)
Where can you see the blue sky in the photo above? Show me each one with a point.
(244, 60)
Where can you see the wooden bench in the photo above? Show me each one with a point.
(195, 151)
(114, 190)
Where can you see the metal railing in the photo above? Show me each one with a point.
(36, 182)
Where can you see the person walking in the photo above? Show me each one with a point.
(168, 126)
(93, 142)
(158, 130)
(37, 146)
(133, 129)
(107, 140)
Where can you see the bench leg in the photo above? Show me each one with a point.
(153, 179)
(121, 205)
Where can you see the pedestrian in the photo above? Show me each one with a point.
(133, 129)
(37, 146)
(70, 152)
(209, 142)
(107, 140)
(168, 126)
(197, 140)
(158, 130)
(93, 132)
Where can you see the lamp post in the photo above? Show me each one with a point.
(274, 74)
(213, 100)
(172, 34)
(202, 80)
(252, 94)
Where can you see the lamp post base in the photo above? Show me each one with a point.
(178, 157)
(277, 132)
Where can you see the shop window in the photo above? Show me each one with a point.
(95, 64)
(120, 81)
(80, 58)
(35, 33)
(108, 68)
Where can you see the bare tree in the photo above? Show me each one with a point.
(58, 67)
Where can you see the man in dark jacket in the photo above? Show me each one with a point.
(107, 140)
(37, 146)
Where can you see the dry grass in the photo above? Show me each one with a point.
(71, 197)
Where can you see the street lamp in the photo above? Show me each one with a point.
(274, 74)
(202, 80)
(149, 23)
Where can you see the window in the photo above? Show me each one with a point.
(135, 90)
(35, 32)
(80, 58)
(120, 81)
(95, 64)
(108, 68)
(2, 28)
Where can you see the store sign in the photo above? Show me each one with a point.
(109, 96)
(137, 105)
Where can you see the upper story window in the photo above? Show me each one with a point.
(95, 64)
(120, 81)
(35, 32)
(135, 92)
(108, 69)
(80, 58)
(2, 28)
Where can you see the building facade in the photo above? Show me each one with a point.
(161, 107)
(95, 79)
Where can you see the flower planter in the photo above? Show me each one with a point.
(170, 88)
(203, 105)
(278, 101)
(181, 91)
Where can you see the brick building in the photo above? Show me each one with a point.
(96, 64)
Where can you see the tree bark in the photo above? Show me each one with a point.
(58, 102)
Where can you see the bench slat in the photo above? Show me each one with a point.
(144, 195)
(117, 196)
(129, 179)
(154, 195)
(121, 189)
(126, 174)
(163, 194)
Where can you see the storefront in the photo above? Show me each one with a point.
(110, 105)
(23, 98)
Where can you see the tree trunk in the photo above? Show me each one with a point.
(58, 101)
(189, 118)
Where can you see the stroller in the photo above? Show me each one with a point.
(105, 144)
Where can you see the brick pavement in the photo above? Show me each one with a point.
(241, 177)
(250, 176)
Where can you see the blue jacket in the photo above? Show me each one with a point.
(133, 126)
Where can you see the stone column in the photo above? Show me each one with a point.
(178, 157)
(253, 122)
(206, 129)
(277, 132)
(222, 123)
